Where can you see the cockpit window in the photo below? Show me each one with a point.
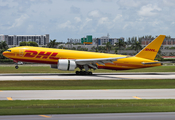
(8, 50)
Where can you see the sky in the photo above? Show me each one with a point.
(63, 19)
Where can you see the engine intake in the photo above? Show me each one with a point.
(65, 64)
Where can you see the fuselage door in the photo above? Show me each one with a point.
(21, 52)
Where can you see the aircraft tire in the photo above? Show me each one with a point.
(77, 72)
(83, 73)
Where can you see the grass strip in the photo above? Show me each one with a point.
(27, 107)
(87, 84)
(47, 69)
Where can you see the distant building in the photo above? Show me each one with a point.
(168, 42)
(14, 40)
(73, 41)
(94, 41)
(104, 39)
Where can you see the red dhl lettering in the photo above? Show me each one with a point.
(42, 54)
(152, 50)
(30, 53)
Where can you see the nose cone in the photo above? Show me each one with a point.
(4, 53)
(8, 54)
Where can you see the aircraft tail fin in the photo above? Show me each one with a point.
(150, 51)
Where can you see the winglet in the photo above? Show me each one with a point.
(150, 51)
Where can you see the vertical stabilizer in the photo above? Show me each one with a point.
(150, 51)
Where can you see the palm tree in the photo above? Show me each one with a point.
(93, 48)
(119, 45)
(3, 47)
(136, 44)
(159, 54)
(108, 46)
(52, 43)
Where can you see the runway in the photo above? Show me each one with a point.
(87, 94)
(106, 116)
(95, 76)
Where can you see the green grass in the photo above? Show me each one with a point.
(84, 106)
(87, 84)
(47, 69)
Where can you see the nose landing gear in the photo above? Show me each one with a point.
(16, 67)
(18, 63)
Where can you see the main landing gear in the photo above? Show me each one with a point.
(83, 73)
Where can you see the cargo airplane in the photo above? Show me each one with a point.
(70, 59)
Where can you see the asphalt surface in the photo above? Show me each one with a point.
(108, 116)
(95, 76)
(87, 94)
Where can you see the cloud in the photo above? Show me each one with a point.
(85, 23)
(118, 17)
(149, 10)
(19, 21)
(128, 3)
(126, 25)
(94, 13)
(169, 3)
(77, 19)
(67, 24)
(103, 20)
(74, 10)
(80, 17)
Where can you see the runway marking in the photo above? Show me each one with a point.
(136, 97)
(9, 98)
(45, 116)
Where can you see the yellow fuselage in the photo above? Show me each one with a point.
(51, 56)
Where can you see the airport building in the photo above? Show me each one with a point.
(14, 40)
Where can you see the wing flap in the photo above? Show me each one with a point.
(99, 61)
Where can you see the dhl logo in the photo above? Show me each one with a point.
(42, 54)
(151, 50)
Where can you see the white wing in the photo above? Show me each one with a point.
(92, 62)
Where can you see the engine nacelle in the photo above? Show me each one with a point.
(64, 64)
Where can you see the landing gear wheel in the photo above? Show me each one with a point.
(89, 73)
(83, 73)
(77, 72)
(16, 67)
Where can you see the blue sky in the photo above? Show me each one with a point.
(64, 19)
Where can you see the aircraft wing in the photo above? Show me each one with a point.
(147, 63)
(92, 62)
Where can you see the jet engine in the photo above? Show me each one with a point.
(64, 64)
